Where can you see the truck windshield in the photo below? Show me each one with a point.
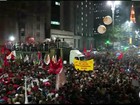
(80, 58)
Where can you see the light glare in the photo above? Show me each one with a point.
(117, 2)
(109, 3)
(11, 38)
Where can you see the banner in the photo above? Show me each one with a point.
(87, 65)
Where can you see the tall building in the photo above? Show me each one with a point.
(88, 16)
(39, 19)
(83, 24)
(55, 14)
(100, 11)
(62, 21)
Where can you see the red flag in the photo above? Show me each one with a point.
(132, 15)
(12, 57)
(2, 50)
(47, 59)
(84, 50)
(120, 56)
(55, 68)
(6, 63)
(39, 55)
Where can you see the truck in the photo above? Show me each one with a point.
(67, 54)
(75, 54)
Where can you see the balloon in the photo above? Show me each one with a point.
(107, 20)
(101, 29)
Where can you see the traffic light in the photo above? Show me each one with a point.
(107, 42)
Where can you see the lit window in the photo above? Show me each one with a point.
(82, 8)
(97, 17)
(77, 6)
(55, 23)
(86, 0)
(81, 3)
(81, 18)
(86, 25)
(82, 34)
(89, 3)
(82, 24)
(86, 5)
(82, 13)
(86, 14)
(82, 29)
(57, 3)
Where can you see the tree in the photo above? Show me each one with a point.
(116, 34)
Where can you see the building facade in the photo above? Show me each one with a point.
(83, 24)
(35, 18)
(40, 18)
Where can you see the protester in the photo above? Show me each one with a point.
(113, 80)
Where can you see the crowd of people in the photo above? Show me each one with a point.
(111, 81)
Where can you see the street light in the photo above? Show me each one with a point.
(11, 38)
(113, 6)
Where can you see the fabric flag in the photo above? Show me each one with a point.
(47, 59)
(39, 55)
(55, 67)
(54, 59)
(20, 56)
(60, 79)
(6, 63)
(132, 15)
(85, 50)
(89, 53)
(120, 56)
(12, 55)
(26, 59)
